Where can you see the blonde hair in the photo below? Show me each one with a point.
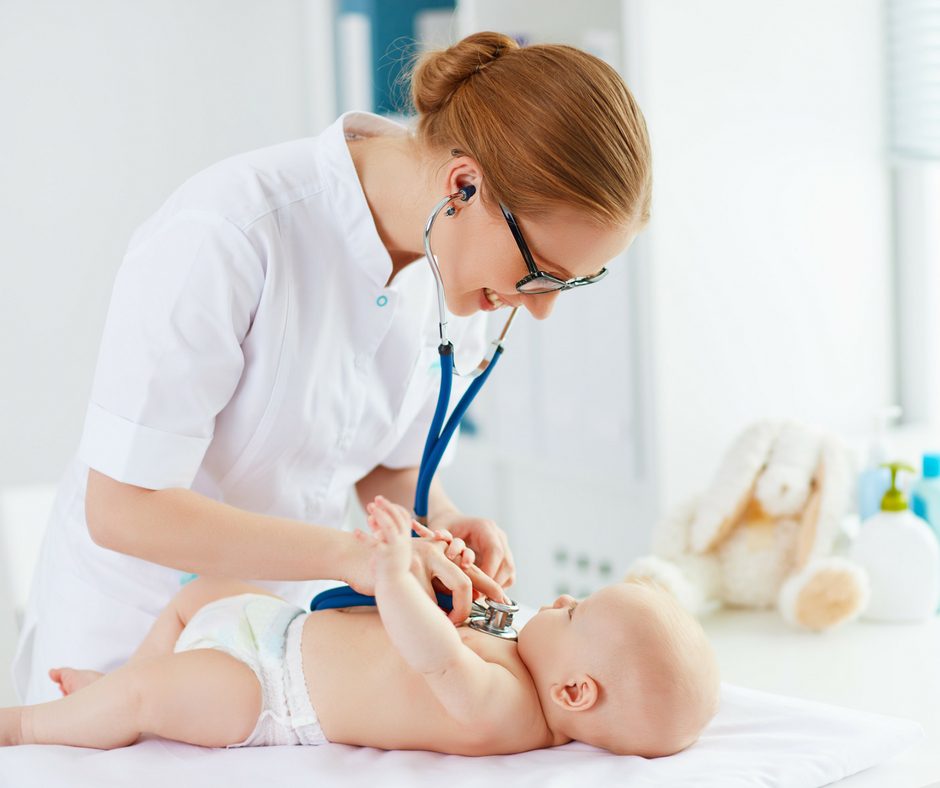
(549, 125)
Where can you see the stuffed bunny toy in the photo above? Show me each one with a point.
(765, 531)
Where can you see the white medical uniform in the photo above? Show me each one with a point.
(253, 353)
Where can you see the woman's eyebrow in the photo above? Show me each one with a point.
(553, 268)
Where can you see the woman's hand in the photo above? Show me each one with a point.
(429, 564)
(486, 540)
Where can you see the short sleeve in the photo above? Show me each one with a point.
(170, 356)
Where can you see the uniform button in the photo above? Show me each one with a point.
(381, 300)
(360, 361)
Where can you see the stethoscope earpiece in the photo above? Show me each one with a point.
(463, 194)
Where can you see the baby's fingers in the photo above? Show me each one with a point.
(399, 518)
(384, 525)
(379, 529)
(420, 529)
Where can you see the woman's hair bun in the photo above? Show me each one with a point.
(437, 74)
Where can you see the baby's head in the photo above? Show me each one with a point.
(626, 669)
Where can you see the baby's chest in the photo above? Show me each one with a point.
(366, 694)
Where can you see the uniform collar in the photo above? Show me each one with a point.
(350, 207)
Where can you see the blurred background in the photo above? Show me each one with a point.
(790, 269)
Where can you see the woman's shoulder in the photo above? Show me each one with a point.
(247, 186)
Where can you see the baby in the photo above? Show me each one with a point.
(625, 669)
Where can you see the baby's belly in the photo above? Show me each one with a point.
(366, 694)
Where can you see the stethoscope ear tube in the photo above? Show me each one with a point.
(446, 352)
(496, 619)
(438, 439)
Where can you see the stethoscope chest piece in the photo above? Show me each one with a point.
(494, 618)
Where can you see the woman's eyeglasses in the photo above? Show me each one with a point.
(541, 281)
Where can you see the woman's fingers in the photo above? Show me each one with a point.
(505, 573)
(491, 546)
(455, 581)
(486, 584)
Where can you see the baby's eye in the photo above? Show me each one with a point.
(570, 612)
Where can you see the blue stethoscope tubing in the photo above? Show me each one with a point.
(439, 434)
(438, 439)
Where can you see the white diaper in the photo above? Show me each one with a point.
(263, 632)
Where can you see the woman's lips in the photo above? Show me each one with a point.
(485, 304)
(490, 306)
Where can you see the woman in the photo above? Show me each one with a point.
(272, 331)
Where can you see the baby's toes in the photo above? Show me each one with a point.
(72, 679)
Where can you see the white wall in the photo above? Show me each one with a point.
(107, 107)
(770, 245)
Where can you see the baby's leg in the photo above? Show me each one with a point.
(166, 630)
(203, 697)
(183, 606)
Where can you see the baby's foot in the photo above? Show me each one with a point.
(71, 679)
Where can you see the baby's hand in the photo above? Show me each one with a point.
(391, 538)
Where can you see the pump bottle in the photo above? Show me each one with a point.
(902, 558)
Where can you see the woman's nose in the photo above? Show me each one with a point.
(540, 305)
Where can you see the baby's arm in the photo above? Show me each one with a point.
(417, 627)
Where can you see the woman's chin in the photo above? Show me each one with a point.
(463, 308)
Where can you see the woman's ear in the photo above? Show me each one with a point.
(464, 171)
(578, 695)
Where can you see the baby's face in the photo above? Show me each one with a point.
(570, 632)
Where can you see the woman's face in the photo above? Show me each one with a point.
(477, 254)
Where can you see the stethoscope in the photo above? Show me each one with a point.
(493, 618)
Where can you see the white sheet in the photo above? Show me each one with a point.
(757, 739)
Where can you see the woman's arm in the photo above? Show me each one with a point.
(184, 530)
(398, 485)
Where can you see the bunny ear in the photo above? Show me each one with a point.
(828, 503)
(732, 487)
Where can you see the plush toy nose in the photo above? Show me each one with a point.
(782, 491)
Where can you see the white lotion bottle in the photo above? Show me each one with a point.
(902, 558)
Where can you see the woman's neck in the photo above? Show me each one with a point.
(393, 177)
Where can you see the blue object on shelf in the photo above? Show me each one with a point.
(392, 27)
